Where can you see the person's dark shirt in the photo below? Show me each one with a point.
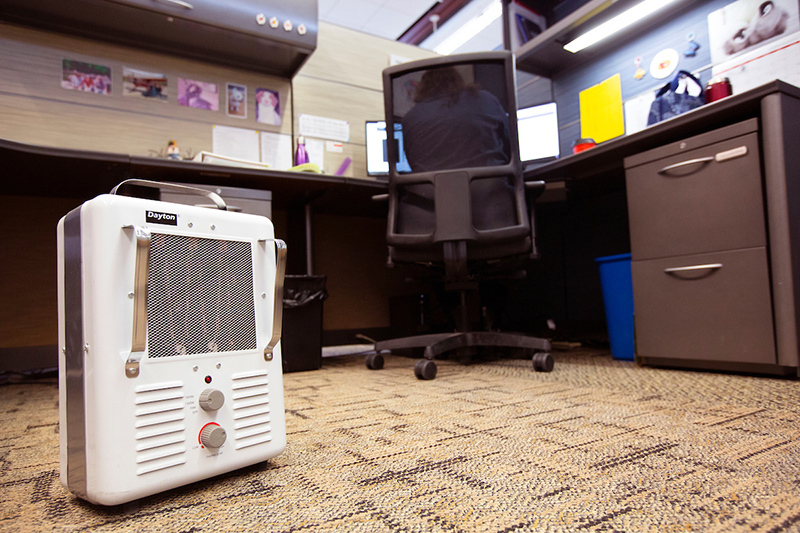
(443, 133)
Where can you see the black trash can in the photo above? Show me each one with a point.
(301, 339)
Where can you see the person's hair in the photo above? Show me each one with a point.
(442, 82)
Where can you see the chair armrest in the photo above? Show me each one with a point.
(534, 188)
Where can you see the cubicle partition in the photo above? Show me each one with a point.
(61, 147)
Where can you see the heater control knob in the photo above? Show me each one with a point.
(213, 436)
(211, 399)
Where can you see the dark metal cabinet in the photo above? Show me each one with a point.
(242, 16)
(235, 33)
(700, 265)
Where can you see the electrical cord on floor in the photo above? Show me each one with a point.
(351, 349)
(39, 375)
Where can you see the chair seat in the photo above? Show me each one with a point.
(433, 252)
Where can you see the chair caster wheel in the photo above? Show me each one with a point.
(543, 362)
(425, 369)
(374, 361)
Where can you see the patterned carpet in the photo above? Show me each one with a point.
(596, 445)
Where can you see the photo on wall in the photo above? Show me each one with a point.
(237, 100)
(199, 94)
(268, 107)
(85, 77)
(744, 25)
(142, 84)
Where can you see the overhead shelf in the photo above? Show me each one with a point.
(544, 55)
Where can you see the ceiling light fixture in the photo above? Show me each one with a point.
(621, 21)
(470, 29)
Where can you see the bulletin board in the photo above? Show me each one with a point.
(753, 42)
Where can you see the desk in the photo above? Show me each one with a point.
(56, 172)
(44, 183)
(607, 157)
(62, 173)
(776, 106)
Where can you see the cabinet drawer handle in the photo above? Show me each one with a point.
(722, 156)
(709, 266)
(181, 3)
(702, 160)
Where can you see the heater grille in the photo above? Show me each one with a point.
(199, 296)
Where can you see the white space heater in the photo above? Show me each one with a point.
(169, 326)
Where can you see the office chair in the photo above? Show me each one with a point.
(457, 199)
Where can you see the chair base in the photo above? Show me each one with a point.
(439, 343)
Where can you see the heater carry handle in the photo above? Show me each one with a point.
(277, 314)
(139, 339)
(214, 197)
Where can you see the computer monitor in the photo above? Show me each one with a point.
(377, 155)
(538, 139)
(538, 133)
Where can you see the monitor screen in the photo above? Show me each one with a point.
(377, 154)
(538, 132)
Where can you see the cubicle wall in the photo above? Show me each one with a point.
(593, 221)
(342, 80)
(36, 109)
(673, 32)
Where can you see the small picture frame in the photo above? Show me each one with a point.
(236, 100)
(198, 94)
(144, 84)
(85, 77)
(268, 107)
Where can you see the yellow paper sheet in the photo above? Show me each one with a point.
(601, 110)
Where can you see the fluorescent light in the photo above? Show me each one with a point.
(621, 21)
(470, 29)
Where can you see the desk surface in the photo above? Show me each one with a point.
(45, 171)
(56, 172)
(609, 155)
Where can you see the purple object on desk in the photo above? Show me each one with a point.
(343, 166)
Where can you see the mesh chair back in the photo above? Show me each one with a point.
(453, 151)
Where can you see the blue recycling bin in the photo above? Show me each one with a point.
(617, 285)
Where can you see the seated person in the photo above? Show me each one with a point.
(454, 125)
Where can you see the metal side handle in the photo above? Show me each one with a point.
(214, 197)
(139, 339)
(709, 266)
(277, 314)
(181, 3)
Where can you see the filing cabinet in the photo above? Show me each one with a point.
(700, 254)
